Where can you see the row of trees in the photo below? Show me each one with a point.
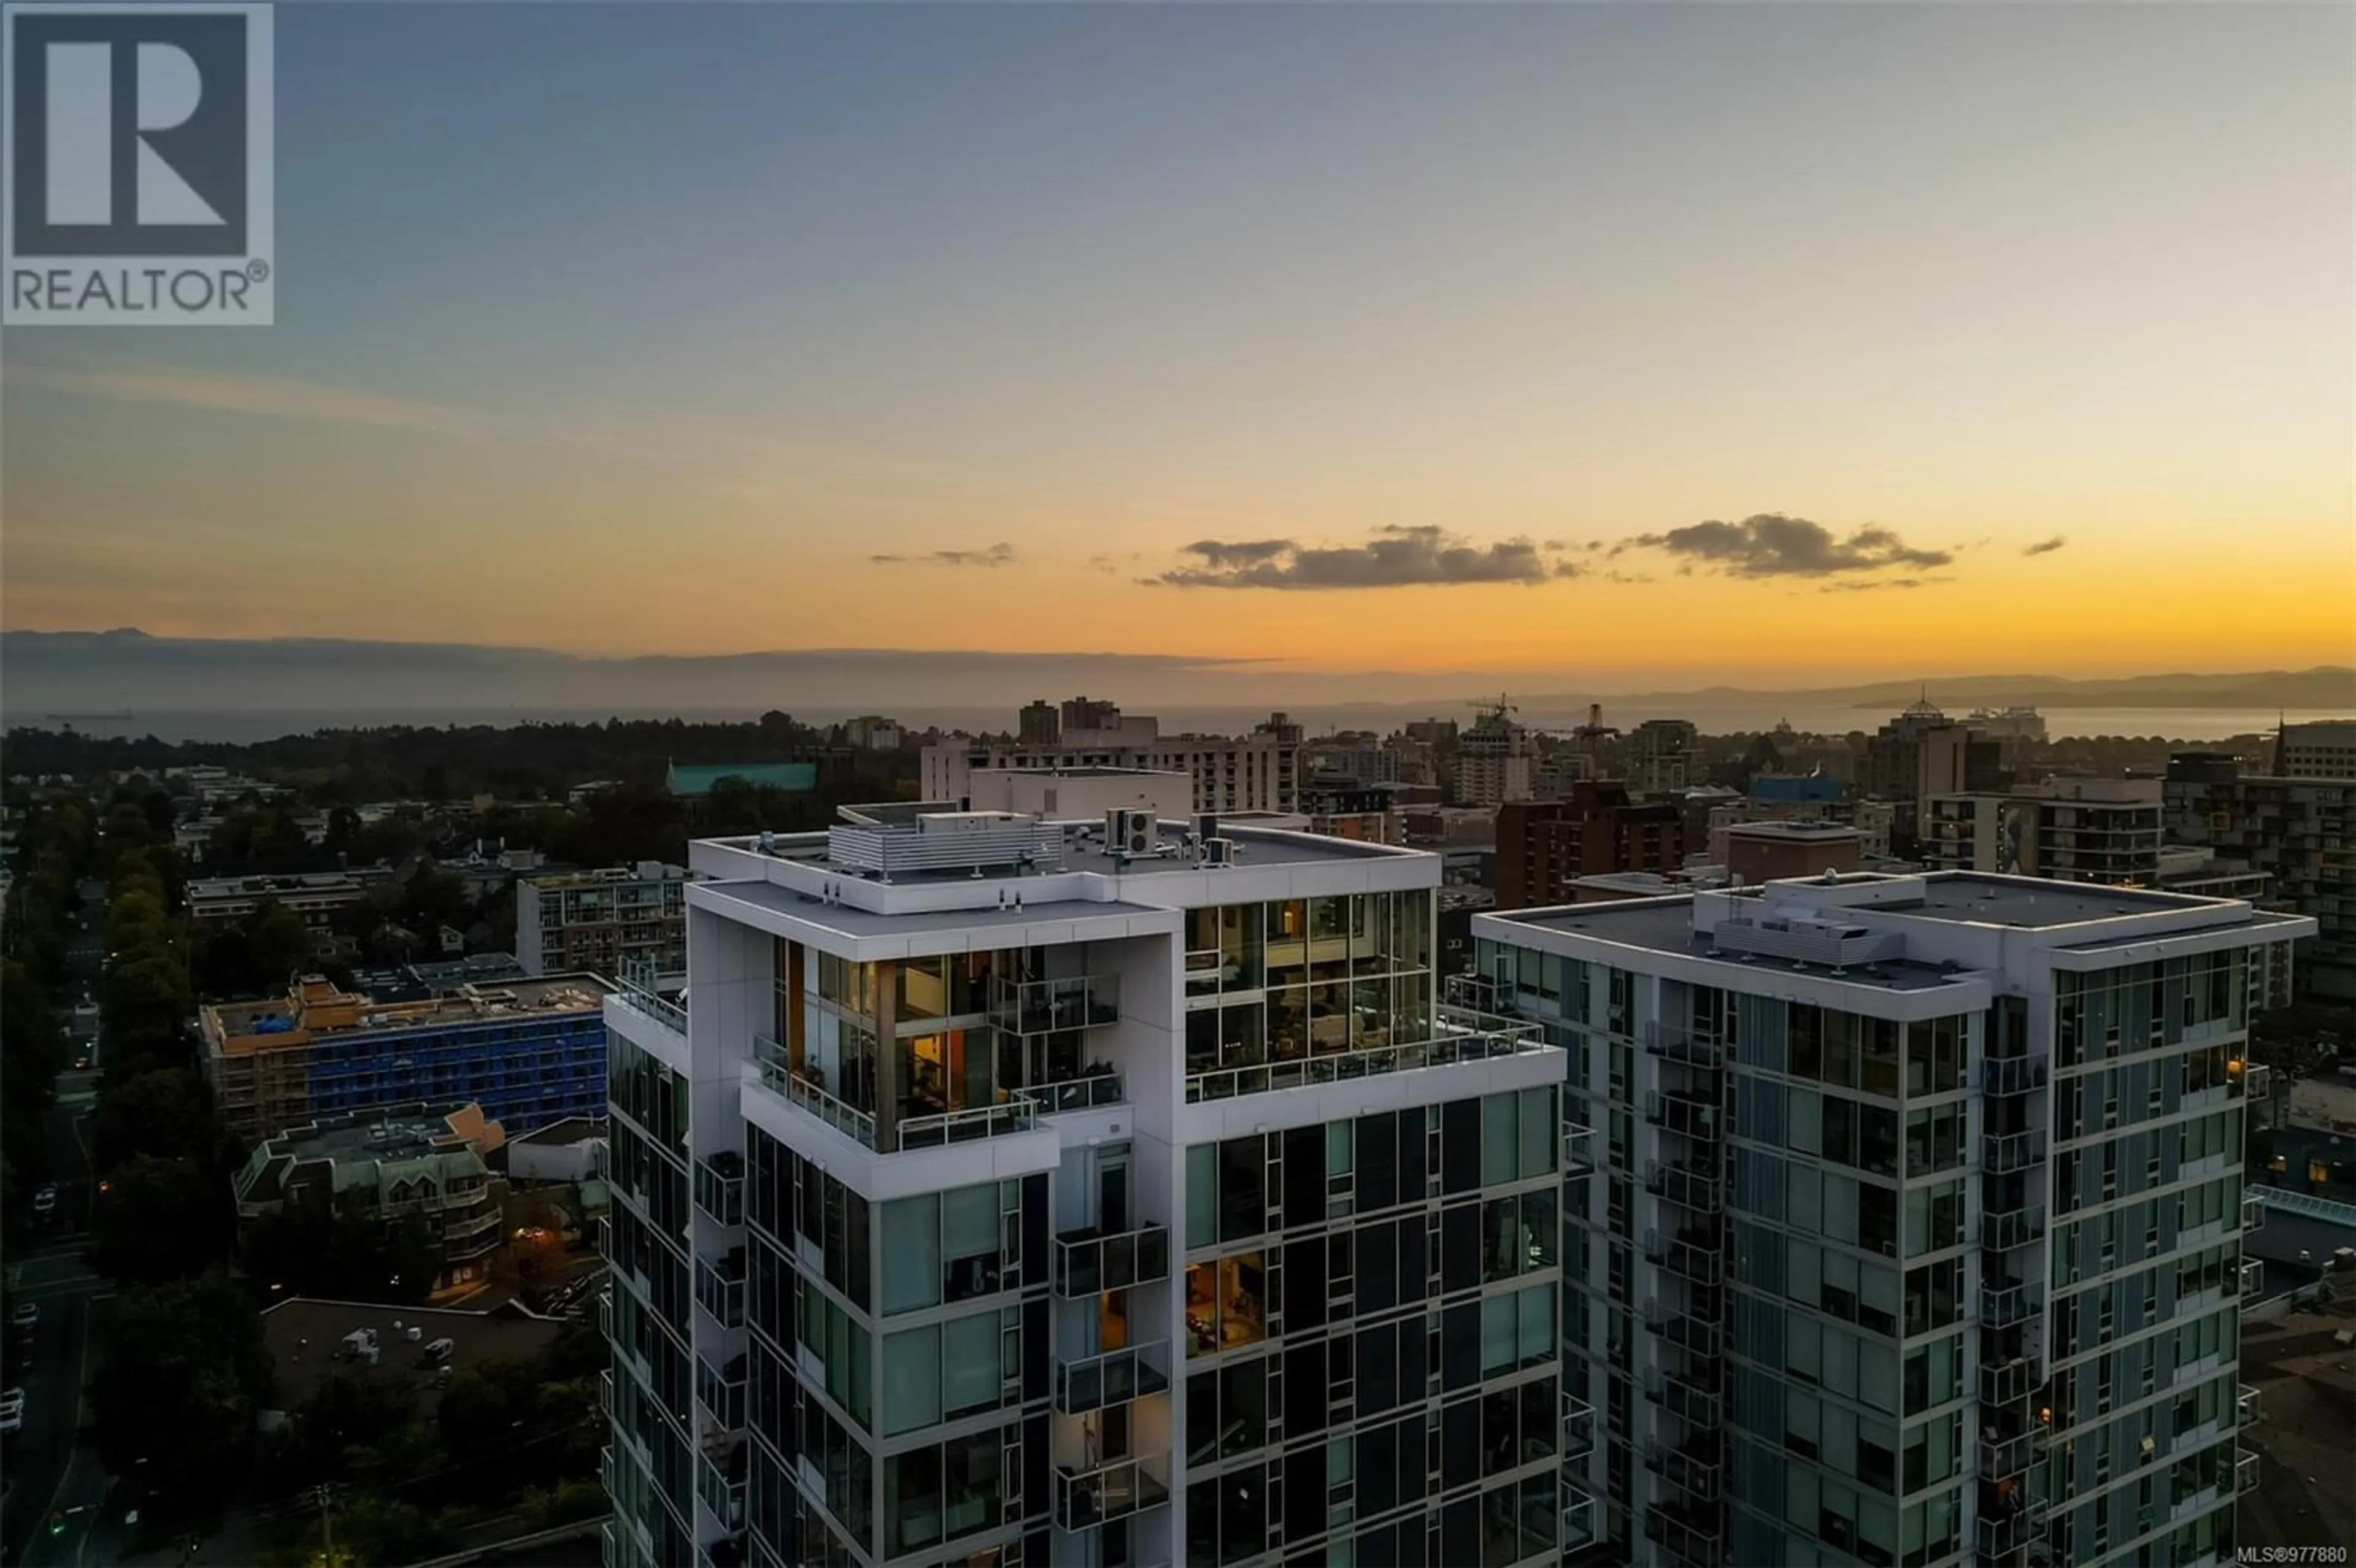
(57, 847)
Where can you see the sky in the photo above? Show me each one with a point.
(1669, 342)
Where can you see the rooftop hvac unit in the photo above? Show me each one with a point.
(1218, 852)
(1130, 833)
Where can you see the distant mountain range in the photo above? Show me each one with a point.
(44, 674)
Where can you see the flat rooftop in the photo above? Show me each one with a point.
(1083, 848)
(1665, 925)
(854, 922)
(403, 1132)
(303, 1332)
(319, 1010)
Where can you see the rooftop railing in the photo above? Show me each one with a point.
(1459, 1037)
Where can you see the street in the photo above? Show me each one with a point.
(48, 1473)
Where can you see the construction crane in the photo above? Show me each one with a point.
(1486, 708)
(1595, 729)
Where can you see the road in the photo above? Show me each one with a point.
(48, 1473)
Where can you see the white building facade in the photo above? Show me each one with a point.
(1015, 1192)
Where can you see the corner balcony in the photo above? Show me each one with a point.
(1695, 1536)
(1688, 1114)
(1578, 1516)
(1690, 1254)
(2249, 1405)
(2001, 1535)
(1459, 1036)
(1578, 1426)
(1082, 1499)
(1692, 1467)
(2006, 1458)
(2002, 1230)
(1697, 1334)
(2012, 1075)
(720, 1484)
(801, 1088)
(1111, 1377)
(2006, 1303)
(2247, 1472)
(2253, 1277)
(1089, 1263)
(720, 1187)
(1689, 1186)
(1690, 1393)
(2006, 1383)
(1577, 1149)
(2253, 1211)
(2004, 1153)
(1049, 1006)
(720, 1286)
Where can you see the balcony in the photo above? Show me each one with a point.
(1578, 1516)
(1689, 1393)
(639, 990)
(721, 1485)
(2001, 1535)
(2254, 1211)
(1692, 1467)
(1045, 1006)
(720, 1286)
(1112, 1377)
(721, 1390)
(2003, 1153)
(1676, 1045)
(2004, 1458)
(2012, 1075)
(1686, 1185)
(605, 1467)
(2253, 1277)
(720, 1187)
(2006, 1383)
(1083, 1499)
(2003, 1304)
(1460, 1037)
(2246, 1472)
(1088, 1263)
(2249, 1405)
(1577, 1149)
(1692, 1255)
(977, 1122)
(1696, 1333)
(769, 1058)
(1097, 1086)
(2000, 1231)
(1578, 1426)
(1691, 1535)
(2258, 1081)
(1687, 1114)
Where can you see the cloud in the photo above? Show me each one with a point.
(1770, 544)
(1870, 584)
(2046, 546)
(999, 554)
(274, 397)
(1421, 556)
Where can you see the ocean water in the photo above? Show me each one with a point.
(2189, 724)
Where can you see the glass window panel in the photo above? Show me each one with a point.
(912, 1379)
(912, 1253)
(1500, 1132)
(970, 1370)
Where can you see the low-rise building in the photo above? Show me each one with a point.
(2074, 830)
(529, 1051)
(2324, 750)
(1079, 793)
(1544, 846)
(217, 901)
(1772, 851)
(419, 1160)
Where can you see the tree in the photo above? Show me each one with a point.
(185, 1376)
(278, 943)
(159, 1220)
(344, 1255)
(164, 1114)
(354, 1421)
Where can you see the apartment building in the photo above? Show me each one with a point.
(1259, 772)
(387, 1165)
(2301, 832)
(1922, 754)
(1080, 1194)
(598, 920)
(2074, 830)
(1664, 756)
(1545, 846)
(2321, 750)
(1494, 761)
(1913, 1230)
(528, 1052)
(316, 896)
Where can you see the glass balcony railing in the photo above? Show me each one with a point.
(1688, 1115)
(1695, 1333)
(1686, 1185)
(2246, 1472)
(1095, 1087)
(1045, 1007)
(1111, 1377)
(2000, 1231)
(1459, 1036)
(1689, 1393)
(2003, 1153)
(2004, 1458)
(721, 1390)
(2006, 1383)
(1577, 1425)
(720, 1287)
(1083, 1499)
(720, 1186)
(1578, 1516)
(2012, 1075)
(1089, 1263)
(2004, 1304)
(2254, 1212)
(770, 1059)
(720, 1484)
(2253, 1277)
(2249, 1404)
(1690, 1256)
(2001, 1535)
(1691, 1466)
(1691, 1535)
(978, 1122)
(1676, 1045)
(1577, 1149)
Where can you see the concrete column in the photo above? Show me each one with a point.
(887, 1055)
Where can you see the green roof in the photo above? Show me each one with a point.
(797, 777)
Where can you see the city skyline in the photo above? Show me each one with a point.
(1631, 341)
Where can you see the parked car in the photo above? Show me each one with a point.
(45, 1200)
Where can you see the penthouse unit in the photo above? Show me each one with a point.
(2073, 830)
(1023, 1193)
(385, 1166)
(528, 1052)
(597, 919)
(1913, 1235)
